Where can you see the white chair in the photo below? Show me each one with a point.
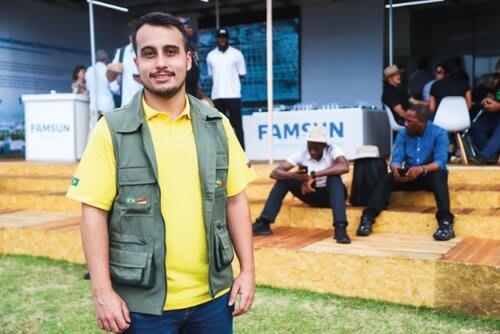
(453, 116)
(392, 121)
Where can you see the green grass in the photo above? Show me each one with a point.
(40, 295)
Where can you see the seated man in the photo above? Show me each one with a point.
(393, 95)
(422, 148)
(485, 132)
(317, 183)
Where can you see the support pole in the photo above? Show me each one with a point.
(269, 44)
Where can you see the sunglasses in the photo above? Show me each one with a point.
(439, 72)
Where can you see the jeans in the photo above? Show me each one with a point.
(437, 182)
(485, 132)
(211, 317)
(332, 196)
(232, 108)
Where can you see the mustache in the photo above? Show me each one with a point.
(162, 72)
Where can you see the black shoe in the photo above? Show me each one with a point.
(86, 276)
(261, 228)
(479, 159)
(340, 233)
(444, 231)
(365, 226)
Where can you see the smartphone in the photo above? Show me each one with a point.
(402, 172)
(303, 168)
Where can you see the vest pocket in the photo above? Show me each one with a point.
(135, 189)
(221, 166)
(131, 260)
(223, 249)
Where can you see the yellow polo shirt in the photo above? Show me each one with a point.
(181, 200)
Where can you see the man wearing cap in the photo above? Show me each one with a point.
(418, 163)
(317, 182)
(393, 95)
(193, 75)
(226, 65)
(101, 98)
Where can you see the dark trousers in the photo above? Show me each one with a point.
(485, 132)
(332, 196)
(437, 182)
(232, 109)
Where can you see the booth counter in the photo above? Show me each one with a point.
(56, 126)
(348, 128)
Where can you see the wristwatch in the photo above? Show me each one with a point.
(424, 171)
(313, 174)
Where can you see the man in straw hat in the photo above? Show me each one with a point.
(393, 95)
(317, 182)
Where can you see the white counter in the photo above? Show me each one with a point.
(348, 128)
(56, 126)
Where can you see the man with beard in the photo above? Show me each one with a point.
(418, 163)
(226, 65)
(161, 217)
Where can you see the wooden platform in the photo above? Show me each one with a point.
(399, 262)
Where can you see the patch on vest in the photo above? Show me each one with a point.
(219, 185)
(132, 200)
(249, 164)
(74, 181)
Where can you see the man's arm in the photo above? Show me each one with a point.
(398, 109)
(491, 105)
(340, 166)
(239, 226)
(282, 172)
(111, 311)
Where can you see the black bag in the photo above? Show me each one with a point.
(367, 173)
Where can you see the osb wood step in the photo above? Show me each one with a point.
(22, 168)
(30, 218)
(475, 251)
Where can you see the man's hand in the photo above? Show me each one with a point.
(306, 187)
(244, 286)
(300, 175)
(414, 172)
(490, 104)
(397, 177)
(115, 67)
(111, 312)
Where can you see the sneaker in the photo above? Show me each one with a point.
(365, 227)
(340, 233)
(444, 232)
(261, 228)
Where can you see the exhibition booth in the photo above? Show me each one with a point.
(56, 126)
(348, 128)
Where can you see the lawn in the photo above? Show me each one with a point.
(46, 296)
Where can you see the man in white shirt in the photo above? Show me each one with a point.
(124, 73)
(226, 65)
(101, 98)
(317, 182)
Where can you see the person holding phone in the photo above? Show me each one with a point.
(418, 163)
(317, 182)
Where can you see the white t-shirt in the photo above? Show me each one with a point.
(105, 101)
(130, 86)
(225, 69)
(330, 153)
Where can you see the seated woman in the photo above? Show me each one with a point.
(78, 85)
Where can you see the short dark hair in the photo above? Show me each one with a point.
(77, 70)
(421, 111)
(160, 20)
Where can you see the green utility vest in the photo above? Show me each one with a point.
(137, 249)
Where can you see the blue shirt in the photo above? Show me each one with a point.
(431, 146)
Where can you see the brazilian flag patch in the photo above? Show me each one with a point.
(74, 181)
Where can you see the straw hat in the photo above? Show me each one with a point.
(367, 151)
(317, 134)
(391, 70)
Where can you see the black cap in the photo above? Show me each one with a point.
(222, 33)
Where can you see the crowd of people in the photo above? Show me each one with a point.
(451, 79)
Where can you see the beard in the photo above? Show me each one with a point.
(163, 92)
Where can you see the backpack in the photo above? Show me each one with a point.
(117, 97)
(367, 173)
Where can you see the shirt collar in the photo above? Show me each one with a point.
(150, 112)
